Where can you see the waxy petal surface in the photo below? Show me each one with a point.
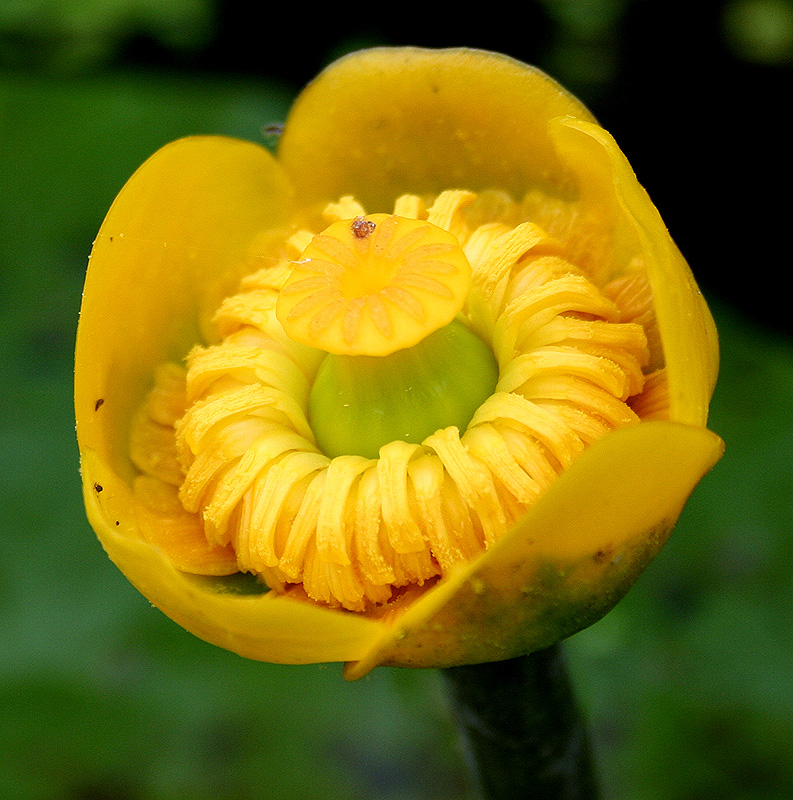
(378, 124)
(382, 122)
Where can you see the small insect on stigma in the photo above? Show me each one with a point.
(362, 227)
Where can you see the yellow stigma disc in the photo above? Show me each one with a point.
(373, 285)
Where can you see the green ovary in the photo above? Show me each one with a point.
(360, 403)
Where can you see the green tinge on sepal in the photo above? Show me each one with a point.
(360, 403)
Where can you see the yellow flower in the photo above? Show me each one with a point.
(453, 208)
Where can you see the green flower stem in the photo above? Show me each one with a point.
(521, 728)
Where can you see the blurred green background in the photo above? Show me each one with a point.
(688, 683)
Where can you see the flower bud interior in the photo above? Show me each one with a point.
(234, 479)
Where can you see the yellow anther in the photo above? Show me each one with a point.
(373, 285)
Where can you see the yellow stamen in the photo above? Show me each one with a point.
(373, 285)
(228, 458)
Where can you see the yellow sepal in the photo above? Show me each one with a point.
(173, 244)
(688, 334)
(382, 122)
(566, 563)
(264, 627)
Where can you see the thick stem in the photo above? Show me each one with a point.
(521, 728)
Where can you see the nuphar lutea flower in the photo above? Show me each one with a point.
(430, 387)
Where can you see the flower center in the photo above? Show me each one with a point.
(374, 285)
(379, 293)
(243, 466)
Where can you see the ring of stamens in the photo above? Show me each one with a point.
(228, 457)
